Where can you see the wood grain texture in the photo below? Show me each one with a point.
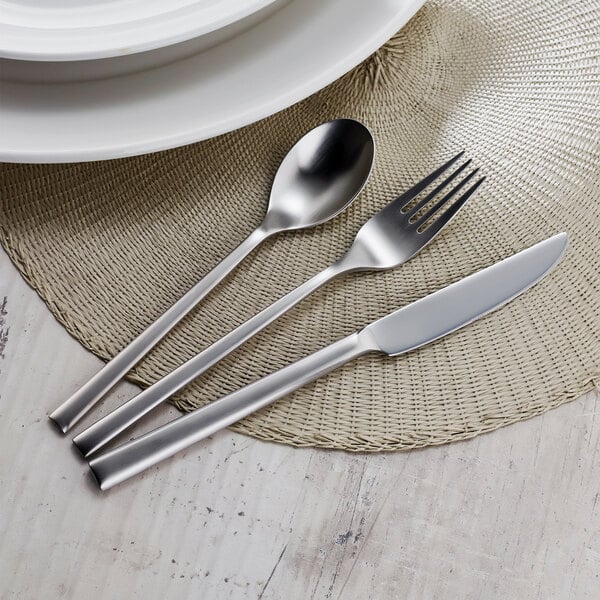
(511, 514)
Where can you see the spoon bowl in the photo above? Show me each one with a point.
(321, 175)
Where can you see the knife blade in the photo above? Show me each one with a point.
(406, 329)
(466, 300)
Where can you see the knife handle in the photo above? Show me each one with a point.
(133, 457)
(74, 408)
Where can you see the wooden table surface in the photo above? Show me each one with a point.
(514, 514)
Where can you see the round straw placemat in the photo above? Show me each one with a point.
(110, 245)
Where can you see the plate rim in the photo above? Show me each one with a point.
(119, 44)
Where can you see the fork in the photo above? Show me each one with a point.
(388, 239)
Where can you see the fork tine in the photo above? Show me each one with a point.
(441, 203)
(414, 191)
(436, 227)
(413, 211)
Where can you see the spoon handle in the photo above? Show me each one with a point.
(133, 457)
(104, 430)
(68, 413)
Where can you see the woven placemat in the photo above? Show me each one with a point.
(110, 245)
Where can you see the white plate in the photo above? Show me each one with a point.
(89, 29)
(298, 50)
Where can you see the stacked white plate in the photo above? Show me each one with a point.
(97, 79)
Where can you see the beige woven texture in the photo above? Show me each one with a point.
(110, 245)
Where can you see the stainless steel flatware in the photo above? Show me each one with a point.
(320, 177)
(387, 240)
(404, 330)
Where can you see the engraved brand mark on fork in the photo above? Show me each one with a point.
(419, 207)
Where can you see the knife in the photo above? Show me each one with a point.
(406, 329)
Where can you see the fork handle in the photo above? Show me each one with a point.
(109, 426)
(68, 413)
(135, 456)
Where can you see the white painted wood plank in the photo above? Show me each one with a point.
(511, 514)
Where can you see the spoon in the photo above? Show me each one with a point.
(320, 176)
